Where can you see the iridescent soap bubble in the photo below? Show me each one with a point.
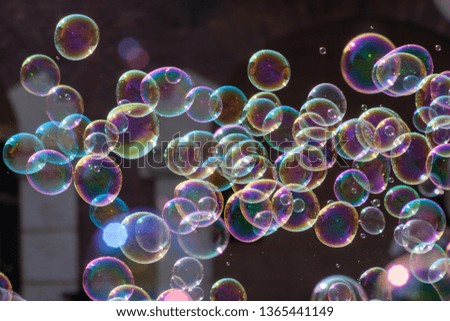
(327, 110)
(278, 126)
(49, 172)
(176, 213)
(187, 273)
(247, 221)
(70, 135)
(203, 104)
(166, 88)
(420, 264)
(255, 112)
(145, 244)
(337, 224)
(128, 88)
(196, 190)
(227, 289)
(424, 223)
(388, 136)
(174, 295)
(440, 85)
(39, 74)
(410, 167)
(101, 216)
(206, 242)
(422, 116)
(76, 37)
(100, 137)
(338, 288)
(197, 293)
(372, 220)
(233, 103)
(437, 130)
(377, 172)
(352, 186)
(141, 133)
(397, 197)
(438, 165)
(128, 292)
(152, 233)
(330, 92)
(352, 138)
(358, 58)
(398, 74)
(104, 274)
(376, 284)
(6, 293)
(293, 170)
(268, 70)
(63, 101)
(18, 149)
(97, 180)
(267, 95)
(428, 189)
(304, 213)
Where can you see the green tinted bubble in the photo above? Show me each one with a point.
(352, 186)
(358, 58)
(76, 37)
(103, 275)
(268, 70)
(39, 74)
(437, 166)
(337, 224)
(227, 289)
(397, 197)
(101, 216)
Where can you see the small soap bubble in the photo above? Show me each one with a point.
(438, 48)
(322, 50)
(376, 202)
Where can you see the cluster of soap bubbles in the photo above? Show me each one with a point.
(271, 156)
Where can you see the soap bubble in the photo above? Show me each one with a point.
(76, 37)
(376, 284)
(397, 197)
(438, 165)
(39, 74)
(17, 151)
(421, 264)
(203, 104)
(338, 288)
(166, 88)
(128, 292)
(187, 273)
(268, 70)
(49, 172)
(174, 295)
(337, 224)
(358, 58)
(352, 186)
(6, 293)
(70, 135)
(100, 137)
(97, 180)
(206, 242)
(227, 289)
(146, 243)
(101, 216)
(372, 220)
(128, 88)
(233, 103)
(62, 101)
(104, 274)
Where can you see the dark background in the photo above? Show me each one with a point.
(215, 39)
